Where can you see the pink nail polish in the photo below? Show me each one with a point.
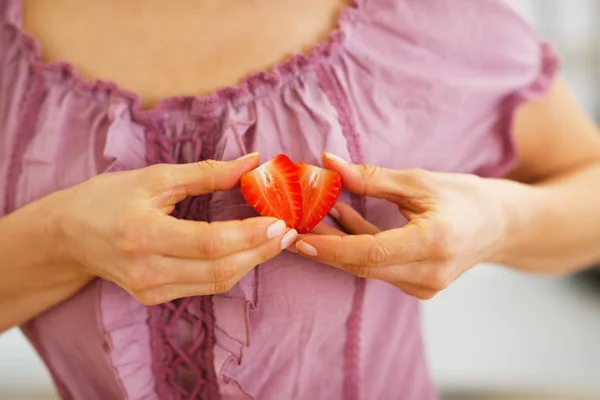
(276, 229)
(336, 159)
(288, 238)
(306, 248)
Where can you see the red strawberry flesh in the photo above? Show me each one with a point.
(320, 190)
(273, 190)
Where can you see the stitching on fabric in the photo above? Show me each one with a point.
(28, 116)
(99, 285)
(184, 371)
(336, 95)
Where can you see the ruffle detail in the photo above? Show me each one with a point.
(232, 333)
(194, 339)
(125, 147)
(124, 322)
(232, 310)
(249, 89)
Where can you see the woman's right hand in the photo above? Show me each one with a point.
(117, 226)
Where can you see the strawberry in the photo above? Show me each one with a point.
(320, 190)
(273, 190)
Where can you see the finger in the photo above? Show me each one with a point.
(194, 179)
(164, 294)
(324, 229)
(321, 229)
(416, 291)
(351, 220)
(220, 275)
(168, 293)
(398, 246)
(203, 240)
(383, 183)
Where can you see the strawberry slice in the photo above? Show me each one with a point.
(274, 191)
(320, 190)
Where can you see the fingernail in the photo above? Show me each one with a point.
(288, 239)
(336, 158)
(306, 248)
(276, 229)
(334, 213)
(251, 155)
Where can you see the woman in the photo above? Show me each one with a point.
(481, 155)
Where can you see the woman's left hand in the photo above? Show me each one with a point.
(454, 222)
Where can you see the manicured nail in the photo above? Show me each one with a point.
(276, 229)
(334, 213)
(306, 248)
(337, 159)
(251, 155)
(288, 239)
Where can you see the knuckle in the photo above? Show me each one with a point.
(360, 270)
(224, 286)
(161, 173)
(376, 256)
(139, 277)
(128, 236)
(439, 278)
(441, 242)
(335, 257)
(223, 271)
(209, 165)
(210, 170)
(426, 295)
(418, 292)
(251, 237)
(369, 173)
(418, 177)
(149, 298)
(211, 246)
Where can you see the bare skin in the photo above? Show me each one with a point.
(210, 44)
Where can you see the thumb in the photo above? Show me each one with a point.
(365, 180)
(207, 176)
(383, 183)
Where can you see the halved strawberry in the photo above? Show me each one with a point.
(320, 190)
(274, 191)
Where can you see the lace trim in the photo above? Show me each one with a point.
(182, 331)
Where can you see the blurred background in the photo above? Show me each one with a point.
(495, 334)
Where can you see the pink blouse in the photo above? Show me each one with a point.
(402, 83)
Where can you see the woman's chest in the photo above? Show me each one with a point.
(159, 49)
